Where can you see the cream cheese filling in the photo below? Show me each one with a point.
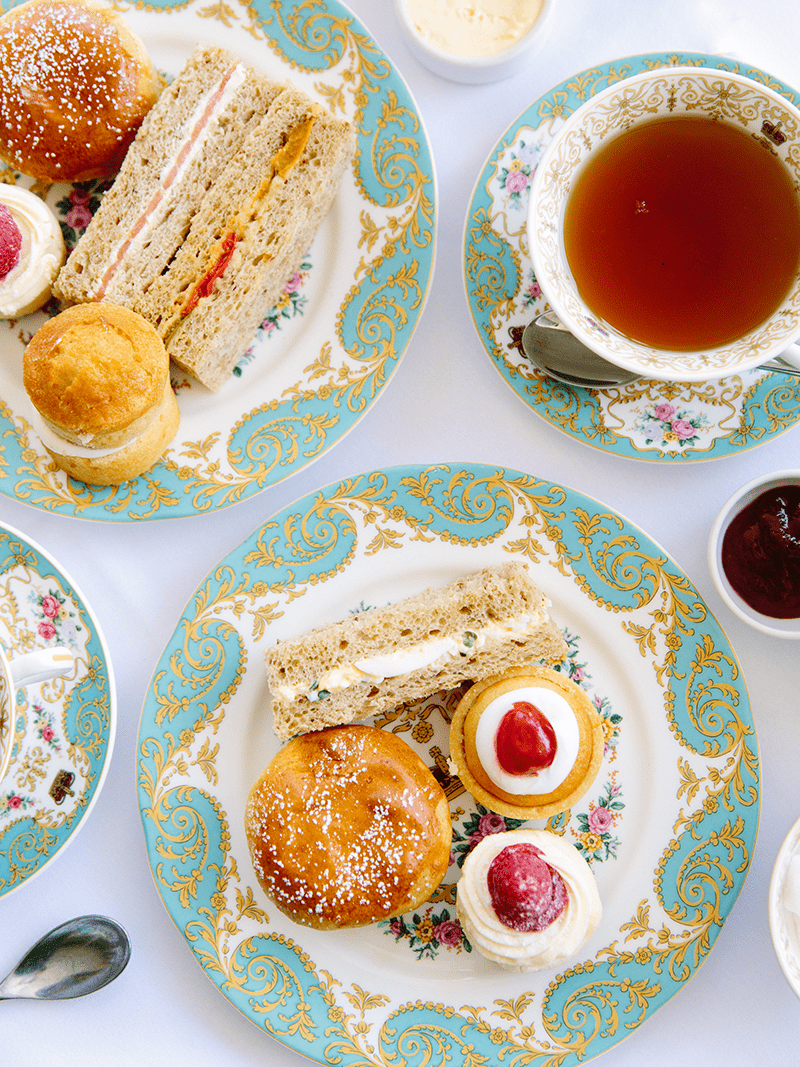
(425, 654)
(562, 718)
(473, 27)
(62, 447)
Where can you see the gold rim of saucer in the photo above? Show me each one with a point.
(537, 806)
(7, 717)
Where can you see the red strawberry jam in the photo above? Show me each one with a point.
(527, 893)
(526, 741)
(10, 241)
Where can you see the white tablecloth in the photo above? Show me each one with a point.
(445, 402)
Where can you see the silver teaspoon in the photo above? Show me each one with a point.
(552, 349)
(76, 958)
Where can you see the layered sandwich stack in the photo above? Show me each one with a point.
(213, 210)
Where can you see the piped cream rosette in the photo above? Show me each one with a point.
(534, 950)
(579, 735)
(26, 287)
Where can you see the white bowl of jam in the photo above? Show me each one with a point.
(754, 553)
(473, 43)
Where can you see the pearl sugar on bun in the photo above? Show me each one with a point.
(347, 826)
(75, 84)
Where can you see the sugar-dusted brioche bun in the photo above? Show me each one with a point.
(98, 378)
(347, 826)
(75, 84)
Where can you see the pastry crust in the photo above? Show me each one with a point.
(93, 372)
(347, 826)
(75, 84)
(132, 459)
(463, 729)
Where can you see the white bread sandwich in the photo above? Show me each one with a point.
(475, 627)
(213, 210)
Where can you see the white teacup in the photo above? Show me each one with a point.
(660, 93)
(16, 673)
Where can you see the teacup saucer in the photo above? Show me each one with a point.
(63, 729)
(644, 419)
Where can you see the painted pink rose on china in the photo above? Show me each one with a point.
(50, 607)
(490, 823)
(448, 932)
(682, 428)
(517, 181)
(600, 820)
(78, 217)
(664, 412)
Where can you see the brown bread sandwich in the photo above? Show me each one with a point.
(214, 208)
(474, 627)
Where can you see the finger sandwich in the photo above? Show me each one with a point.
(475, 627)
(213, 210)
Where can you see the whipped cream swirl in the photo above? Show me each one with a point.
(561, 717)
(520, 950)
(26, 287)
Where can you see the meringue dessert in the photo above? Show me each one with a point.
(527, 744)
(32, 251)
(527, 900)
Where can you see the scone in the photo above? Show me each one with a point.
(528, 743)
(75, 84)
(98, 378)
(347, 826)
(527, 900)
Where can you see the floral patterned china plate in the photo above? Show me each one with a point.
(651, 420)
(668, 828)
(324, 354)
(64, 729)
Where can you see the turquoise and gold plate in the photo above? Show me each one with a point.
(324, 354)
(650, 420)
(669, 826)
(63, 729)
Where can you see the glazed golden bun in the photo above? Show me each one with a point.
(75, 84)
(464, 753)
(98, 377)
(347, 826)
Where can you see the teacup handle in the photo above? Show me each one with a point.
(40, 666)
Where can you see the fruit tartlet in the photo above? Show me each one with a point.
(527, 744)
(527, 900)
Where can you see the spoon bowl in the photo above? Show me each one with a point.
(74, 959)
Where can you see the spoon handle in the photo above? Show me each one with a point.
(779, 365)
